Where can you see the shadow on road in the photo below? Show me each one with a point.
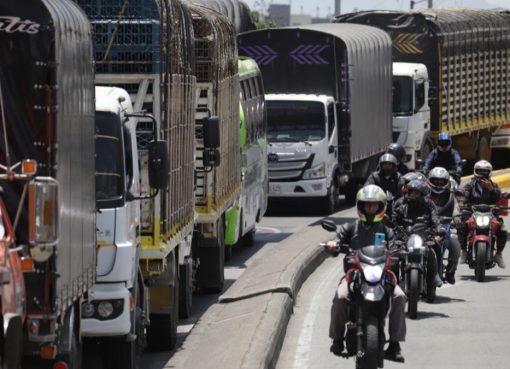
(430, 314)
(488, 278)
(447, 300)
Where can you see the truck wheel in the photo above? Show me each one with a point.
(162, 331)
(118, 353)
(186, 289)
(228, 252)
(484, 149)
(210, 274)
(350, 193)
(330, 202)
(426, 148)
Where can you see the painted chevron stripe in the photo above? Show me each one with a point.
(309, 54)
(262, 54)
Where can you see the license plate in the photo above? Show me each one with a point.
(275, 188)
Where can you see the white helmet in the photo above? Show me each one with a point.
(482, 169)
(439, 180)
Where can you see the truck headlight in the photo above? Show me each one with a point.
(87, 310)
(318, 171)
(105, 309)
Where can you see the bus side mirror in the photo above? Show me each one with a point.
(43, 212)
(158, 165)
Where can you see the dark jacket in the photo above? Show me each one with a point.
(473, 193)
(387, 183)
(359, 234)
(450, 160)
(402, 168)
(403, 210)
(445, 203)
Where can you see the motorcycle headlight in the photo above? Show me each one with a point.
(372, 273)
(415, 242)
(482, 221)
(318, 171)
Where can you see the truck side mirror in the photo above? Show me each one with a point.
(432, 94)
(158, 165)
(43, 212)
(211, 131)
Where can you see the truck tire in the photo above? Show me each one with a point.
(329, 203)
(210, 275)
(118, 353)
(162, 331)
(426, 149)
(186, 289)
(228, 252)
(350, 193)
(484, 149)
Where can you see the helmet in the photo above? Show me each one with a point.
(482, 169)
(444, 141)
(371, 193)
(417, 185)
(397, 151)
(439, 180)
(388, 158)
(408, 177)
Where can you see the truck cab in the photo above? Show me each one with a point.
(302, 135)
(411, 111)
(109, 310)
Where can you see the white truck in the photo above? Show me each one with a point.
(117, 308)
(449, 76)
(323, 139)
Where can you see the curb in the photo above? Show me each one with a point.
(247, 327)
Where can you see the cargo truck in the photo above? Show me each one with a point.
(47, 176)
(328, 97)
(116, 311)
(146, 47)
(218, 158)
(450, 74)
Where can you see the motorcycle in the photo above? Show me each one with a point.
(482, 226)
(370, 285)
(418, 263)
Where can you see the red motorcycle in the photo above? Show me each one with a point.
(481, 244)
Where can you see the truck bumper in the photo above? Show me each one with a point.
(303, 188)
(120, 324)
(500, 142)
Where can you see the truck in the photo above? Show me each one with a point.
(47, 176)
(146, 47)
(318, 79)
(116, 312)
(218, 157)
(450, 75)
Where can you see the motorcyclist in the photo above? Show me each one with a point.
(387, 176)
(399, 152)
(416, 204)
(371, 207)
(443, 197)
(444, 156)
(482, 190)
(408, 177)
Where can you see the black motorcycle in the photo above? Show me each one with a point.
(370, 287)
(418, 263)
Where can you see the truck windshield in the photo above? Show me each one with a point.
(295, 121)
(402, 95)
(109, 161)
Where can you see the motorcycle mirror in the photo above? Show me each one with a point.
(328, 225)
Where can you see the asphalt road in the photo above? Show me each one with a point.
(282, 220)
(467, 327)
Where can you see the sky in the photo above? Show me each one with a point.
(326, 7)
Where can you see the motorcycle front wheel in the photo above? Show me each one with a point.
(481, 249)
(371, 358)
(413, 294)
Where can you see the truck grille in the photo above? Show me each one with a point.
(288, 169)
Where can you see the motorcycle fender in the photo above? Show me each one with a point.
(414, 266)
(372, 293)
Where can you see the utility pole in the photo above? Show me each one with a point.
(337, 7)
(430, 3)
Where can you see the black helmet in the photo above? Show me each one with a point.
(397, 151)
(419, 186)
(408, 177)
